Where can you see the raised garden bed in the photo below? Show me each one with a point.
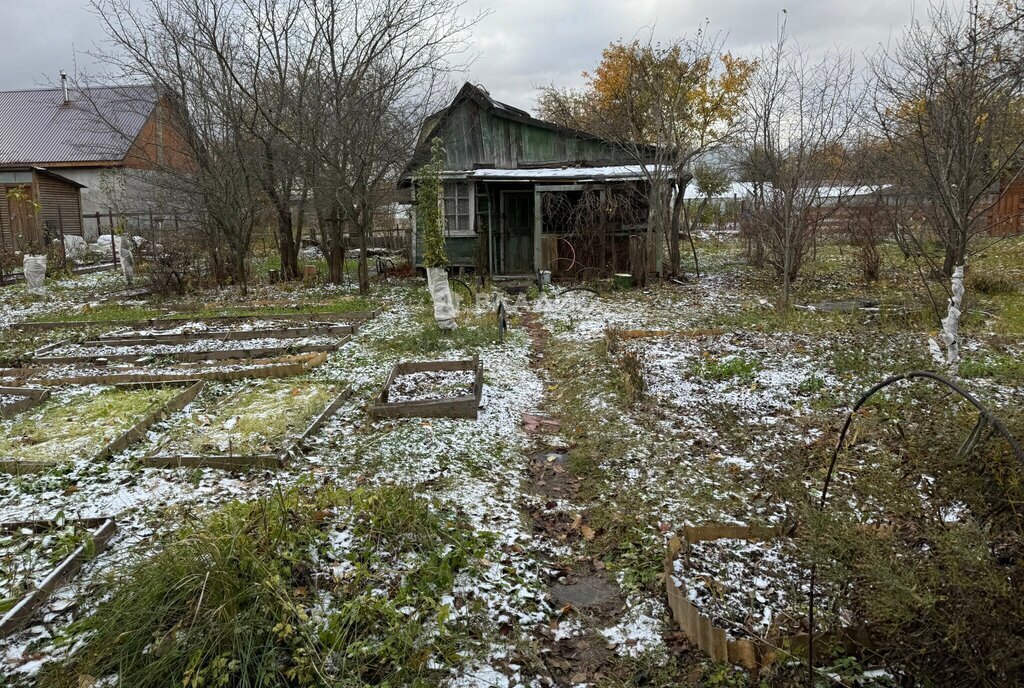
(147, 351)
(86, 544)
(431, 389)
(256, 449)
(733, 591)
(14, 400)
(175, 321)
(280, 367)
(57, 434)
(130, 338)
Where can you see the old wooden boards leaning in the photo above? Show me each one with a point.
(464, 406)
(102, 530)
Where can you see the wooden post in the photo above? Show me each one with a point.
(60, 230)
(113, 247)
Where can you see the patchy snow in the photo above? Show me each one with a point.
(640, 630)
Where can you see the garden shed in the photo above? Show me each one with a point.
(37, 206)
(522, 194)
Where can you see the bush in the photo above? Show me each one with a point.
(925, 531)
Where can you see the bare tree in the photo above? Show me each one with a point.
(183, 47)
(800, 114)
(948, 112)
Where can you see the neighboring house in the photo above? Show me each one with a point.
(522, 194)
(36, 204)
(113, 140)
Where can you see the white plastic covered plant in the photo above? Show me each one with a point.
(950, 335)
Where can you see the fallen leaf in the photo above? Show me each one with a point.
(588, 532)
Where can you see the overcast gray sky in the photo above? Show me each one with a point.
(520, 45)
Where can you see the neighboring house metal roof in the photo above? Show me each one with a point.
(97, 124)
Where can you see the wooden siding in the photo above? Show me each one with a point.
(461, 250)
(53, 194)
(474, 137)
(1007, 216)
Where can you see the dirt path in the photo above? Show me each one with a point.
(589, 600)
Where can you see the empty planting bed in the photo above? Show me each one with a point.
(93, 372)
(740, 593)
(146, 351)
(431, 389)
(175, 320)
(253, 425)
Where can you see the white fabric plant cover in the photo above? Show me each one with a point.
(74, 246)
(34, 268)
(950, 335)
(127, 261)
(441, 294)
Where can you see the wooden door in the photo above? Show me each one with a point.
(517, 233)
(22, 217)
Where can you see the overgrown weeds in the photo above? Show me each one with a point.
(719, 370)
(309, 587)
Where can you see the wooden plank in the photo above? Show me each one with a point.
(18, 615)
(232, 462)
(157, 323)
(30, 397)
(323, 417)
(230, 336)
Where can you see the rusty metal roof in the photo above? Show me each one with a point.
(96, 124)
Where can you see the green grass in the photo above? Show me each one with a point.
(1000, 367)
(421, 336)
(62, 429)
(229, 600)
(255, 419)
(732, 368)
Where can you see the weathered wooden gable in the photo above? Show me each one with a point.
(479, 132)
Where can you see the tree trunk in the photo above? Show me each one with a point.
(286, 246)
(674, 259)
(364, 268)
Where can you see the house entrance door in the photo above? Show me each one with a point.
(517, 234)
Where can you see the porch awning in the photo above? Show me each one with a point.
(556, 174)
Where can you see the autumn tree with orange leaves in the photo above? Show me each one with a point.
(666, 105)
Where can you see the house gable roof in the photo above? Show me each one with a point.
(98, 124)
(436, 124)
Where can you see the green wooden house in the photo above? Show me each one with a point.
(514, 186)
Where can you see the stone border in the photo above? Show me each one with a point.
(284, 366)
(20, 613)
(167, 322)
(290, 448)
(126, 438)
(195, 356)
(465, 406)
(30, 396)
(753, 654)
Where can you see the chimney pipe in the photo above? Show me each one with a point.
(64, 84)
